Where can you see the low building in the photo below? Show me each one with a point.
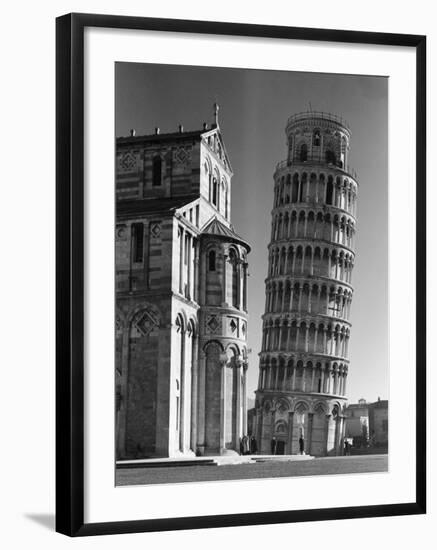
(366, 426)
(378, 423)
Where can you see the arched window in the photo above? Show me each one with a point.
(233, 260)
(303, 152)
(137, 242)
(316, 138)
(303, 185)
(211, 260)
(329, 191)
(330, 156)
(214, 191)
(295, 188)
(157, 171)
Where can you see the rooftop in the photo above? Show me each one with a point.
(218, 229)
(152, 205)
(330, 117)
(157, 136)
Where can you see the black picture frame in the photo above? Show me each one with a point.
(70, 273)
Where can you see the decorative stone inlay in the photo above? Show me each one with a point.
(121, 232)
(233, 325)
(182, 155)
(212, 323)
(127, 162)
(147, 322)
(155, 229)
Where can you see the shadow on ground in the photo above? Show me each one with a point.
(46, 520)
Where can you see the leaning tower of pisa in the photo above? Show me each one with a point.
(304, 362)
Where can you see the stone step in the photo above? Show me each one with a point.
(222, 460)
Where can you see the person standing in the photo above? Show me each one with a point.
(301, 444)
(273, 446)
(253, 445)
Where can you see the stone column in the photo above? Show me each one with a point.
(261, 368)
(194, 393)
(245, 366)
(336, 435)
(223, 405)
(182, 441)
(328, 380)
(288, 337)
(196, 271)
(201, 400)
(290, 432)
(284, 292)
(312, 377)
(238, 431)
(188, 293)
(181, 260)
(240, 279)
(300, 297)
(293, 379)
(322, 379)
(310, 432)
(328, 416)
(245, 287)
(225, 279)
(272, 424)
(124, 384)
(284, 379)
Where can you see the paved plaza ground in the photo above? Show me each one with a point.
(317, 466)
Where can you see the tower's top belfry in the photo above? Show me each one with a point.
(318, 137)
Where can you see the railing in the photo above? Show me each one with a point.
(317, 114)
(347, 170)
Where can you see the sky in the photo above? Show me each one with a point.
(254, 108)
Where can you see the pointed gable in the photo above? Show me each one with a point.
(218, 229)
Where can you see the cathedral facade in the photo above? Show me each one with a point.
(181, 298)
(304, 363)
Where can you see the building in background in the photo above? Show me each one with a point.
(181, 298)
(378, 423)
(366, 426)
(304, 357)
(357, 424)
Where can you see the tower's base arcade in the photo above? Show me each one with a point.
(299, 424)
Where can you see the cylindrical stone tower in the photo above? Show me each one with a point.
(304, 357)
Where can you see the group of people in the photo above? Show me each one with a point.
(248, 445)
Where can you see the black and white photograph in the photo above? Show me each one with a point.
(251, 274)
